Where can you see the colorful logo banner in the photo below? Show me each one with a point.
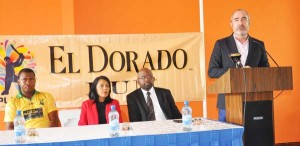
(65, 65)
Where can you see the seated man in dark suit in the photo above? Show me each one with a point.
(150, 103)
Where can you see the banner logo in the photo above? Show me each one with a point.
(13, 58)
(68, 64)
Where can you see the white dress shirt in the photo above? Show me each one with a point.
(159, 114)
(243, 49)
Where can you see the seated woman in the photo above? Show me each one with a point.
(95, 110)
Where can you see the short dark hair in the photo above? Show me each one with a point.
(26, 70)
(93, 95)
(6, 58)
(240, 10)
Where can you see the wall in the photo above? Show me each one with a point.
(274, 21)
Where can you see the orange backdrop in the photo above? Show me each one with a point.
(274, 21)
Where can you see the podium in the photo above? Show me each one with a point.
(249, 99)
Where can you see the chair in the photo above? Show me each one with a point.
(69, 117)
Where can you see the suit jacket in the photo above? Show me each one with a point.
(89, 113)
(220, 60)
(138, 110)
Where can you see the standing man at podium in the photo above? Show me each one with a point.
(253, 53)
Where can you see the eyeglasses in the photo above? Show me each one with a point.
(146, 77)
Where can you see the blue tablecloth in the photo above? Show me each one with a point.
(212, 134)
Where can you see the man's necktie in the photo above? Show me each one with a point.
(151, 115)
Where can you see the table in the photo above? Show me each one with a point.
(151, 133)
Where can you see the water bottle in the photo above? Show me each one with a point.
(187, 116)
(19, 128)
(114, 125)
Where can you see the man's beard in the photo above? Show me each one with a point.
(148, 87)
(242, 30)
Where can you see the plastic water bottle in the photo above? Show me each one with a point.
(187, 116)
(114, 124)
(19, 128)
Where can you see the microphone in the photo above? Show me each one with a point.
(236, 59)
(266, 52)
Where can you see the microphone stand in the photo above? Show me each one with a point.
(266, 52)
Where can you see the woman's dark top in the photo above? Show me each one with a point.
(101, 112)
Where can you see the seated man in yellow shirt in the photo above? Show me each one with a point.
(38, 108)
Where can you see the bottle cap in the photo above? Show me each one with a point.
(18, 112)
(112, 107)
(186, 102)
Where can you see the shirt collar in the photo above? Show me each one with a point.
(145, 92)
(237, 41)
(20, 95)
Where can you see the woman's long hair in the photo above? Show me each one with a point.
(93, 95)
